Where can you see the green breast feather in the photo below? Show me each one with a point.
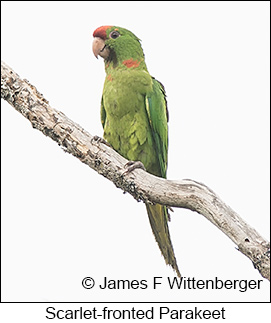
(134, 117)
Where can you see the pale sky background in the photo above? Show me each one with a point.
(61, 221)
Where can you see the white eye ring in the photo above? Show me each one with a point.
(114, 34)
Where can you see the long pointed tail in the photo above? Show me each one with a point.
(158, 219)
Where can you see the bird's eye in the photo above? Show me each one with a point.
(114, 34)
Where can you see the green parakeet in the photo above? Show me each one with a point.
(134, 116)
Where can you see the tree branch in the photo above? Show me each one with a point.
(143, 186)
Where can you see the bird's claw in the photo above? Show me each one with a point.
(100, 140)
(132, 165)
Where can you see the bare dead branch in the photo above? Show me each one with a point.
(143, 186)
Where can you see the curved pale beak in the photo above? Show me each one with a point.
(99, 48)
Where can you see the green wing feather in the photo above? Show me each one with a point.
(156, 107)
(103, 113)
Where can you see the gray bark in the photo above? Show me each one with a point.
(143, 186)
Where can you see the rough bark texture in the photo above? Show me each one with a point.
(188, 194)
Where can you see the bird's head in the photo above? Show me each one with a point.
(117, 45)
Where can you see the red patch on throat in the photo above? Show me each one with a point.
(131, 63)
(101, 32)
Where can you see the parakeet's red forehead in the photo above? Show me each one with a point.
(101, 32)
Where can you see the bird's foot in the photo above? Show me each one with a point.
(100, 140)
(132, 165)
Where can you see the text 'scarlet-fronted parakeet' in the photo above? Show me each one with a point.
(134, 116)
